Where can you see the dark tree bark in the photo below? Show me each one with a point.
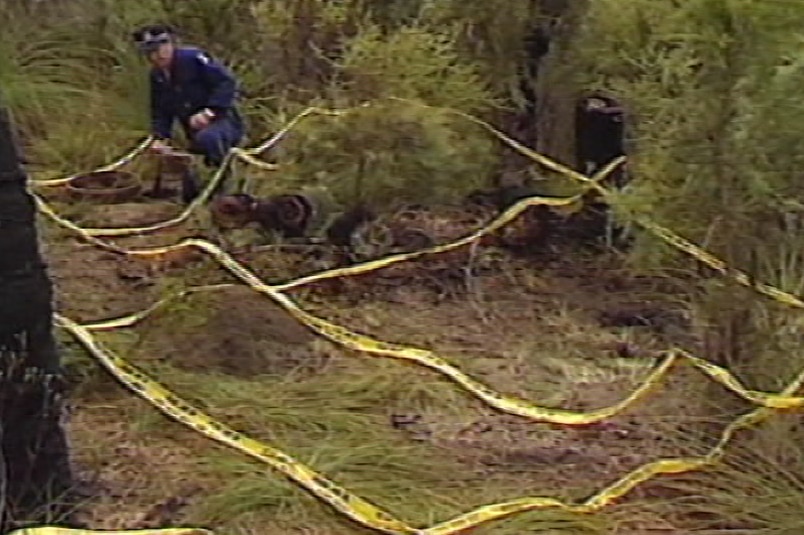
(556, 92)
(34, 468)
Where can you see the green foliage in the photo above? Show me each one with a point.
(392, 14)
(492, 33)
(388, 154)
(708, 86)
(287, 54)
(717, 147)
(716, 150)
(412, 63)
(299, 41)
(40, 76)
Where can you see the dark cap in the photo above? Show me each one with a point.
(151, 37)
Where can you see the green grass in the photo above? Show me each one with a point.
(337, 422)
(337, 419)
(757, 489)
(343, 413)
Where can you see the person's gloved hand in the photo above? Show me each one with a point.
(201, 119)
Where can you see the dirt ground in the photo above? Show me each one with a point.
(575, 332)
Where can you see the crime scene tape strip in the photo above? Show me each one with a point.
(359, 342)
(132, 319)
(719, 265)
(252, 160)
(620, 487)
(90, 233)
(205, 194)
(247, 155)
(175, 407)
(359, 509)
(661, 232)
(780, 401)
(125, 159)
(429, 359)
(312, 110)
(52, 530)
(362, 343)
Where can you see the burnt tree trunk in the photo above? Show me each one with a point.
(34, 469)
(556, 92)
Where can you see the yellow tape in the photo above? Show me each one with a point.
(661, 232)
(363, 343)
(248, 155)
(125, 159)
(51, 530)
(364, 512)
(132, 319)
(427, 358)
(273, 140)
(712, 261)
(183, 216)
(180, 410)
(248, 158)
(357, 508)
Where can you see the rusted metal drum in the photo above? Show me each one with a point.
(175, 162)
(105, 186)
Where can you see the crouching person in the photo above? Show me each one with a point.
(189, 86)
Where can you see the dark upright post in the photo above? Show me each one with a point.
(34, 467)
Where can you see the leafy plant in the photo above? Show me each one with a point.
(389, 154)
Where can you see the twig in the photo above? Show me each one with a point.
(471, 288)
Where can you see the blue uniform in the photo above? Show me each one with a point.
(197, 81)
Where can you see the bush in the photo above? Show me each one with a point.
(388, 154)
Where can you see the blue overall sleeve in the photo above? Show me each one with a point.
(161, 117)
(222, 83)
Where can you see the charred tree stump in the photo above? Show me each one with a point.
(556, 90)
(35, 475)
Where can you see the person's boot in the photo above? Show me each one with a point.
(190, 186)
